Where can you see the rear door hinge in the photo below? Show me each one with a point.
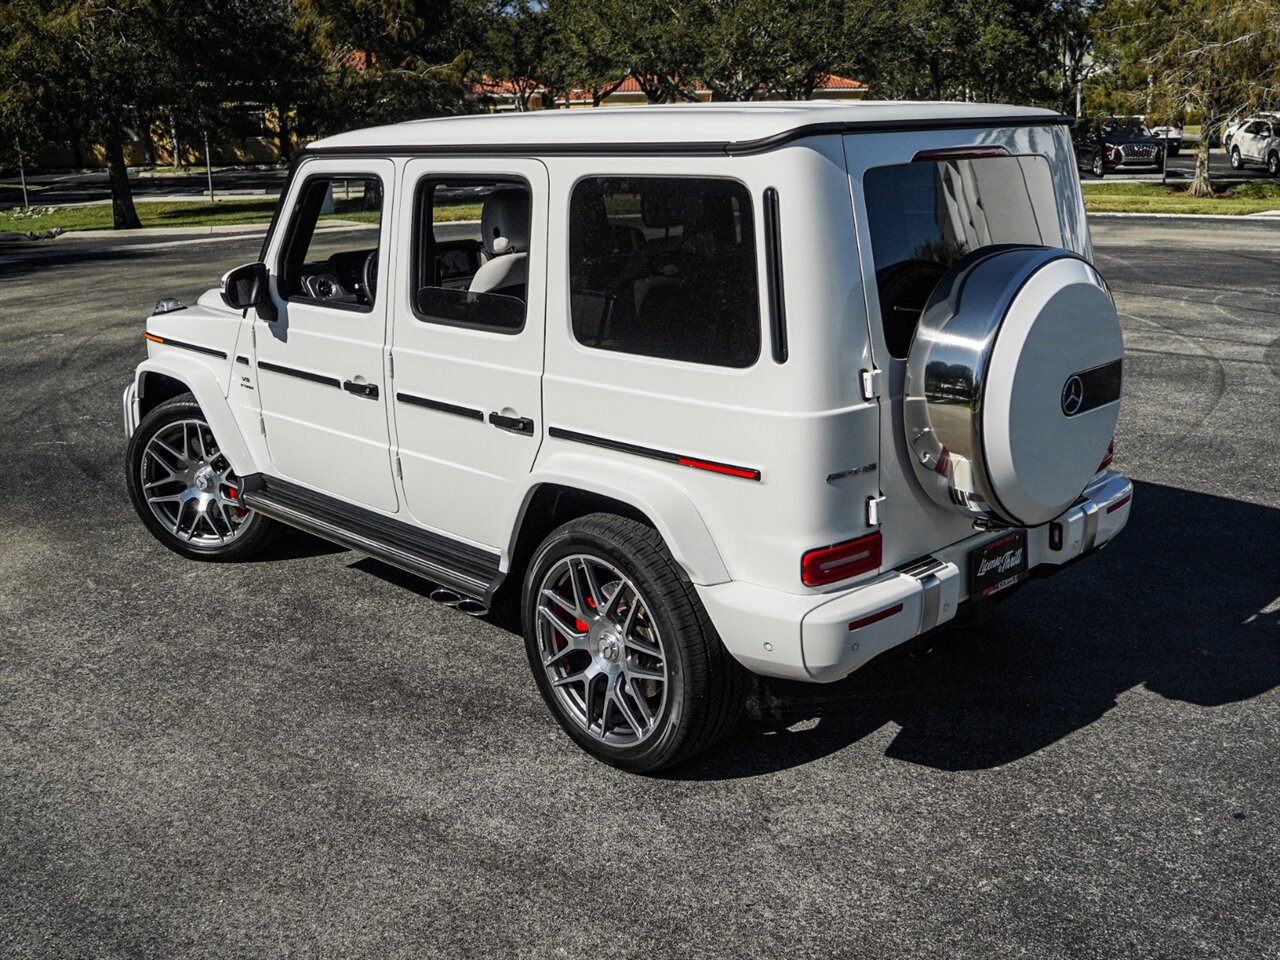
(262, 426)
(871, 383)
(391, 366)
(399, 469)
(874, 511)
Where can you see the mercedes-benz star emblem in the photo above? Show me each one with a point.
(1072, 395)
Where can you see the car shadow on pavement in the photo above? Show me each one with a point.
(18, 260)
(1183, 603)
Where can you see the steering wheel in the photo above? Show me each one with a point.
(370, 274)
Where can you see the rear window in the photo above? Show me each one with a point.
(665, 267)
(924, 217)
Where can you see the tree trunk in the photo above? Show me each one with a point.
(148, 144)
(123, 214)
(1201, 186)
(283, 136)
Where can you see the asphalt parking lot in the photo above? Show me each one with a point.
(304, 756)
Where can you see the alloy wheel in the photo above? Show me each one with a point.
(602, 651)
(189, 485)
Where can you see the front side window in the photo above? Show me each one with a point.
(338, 268)
(665, 267)
(471, 253)
(925, 216)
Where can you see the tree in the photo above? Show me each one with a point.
(1070, 25)
(584, 51)
(755, 49)
(109, 68)
(992, 50)
(384, 61)
(516, 48)
(1213, 57)
(657, 46)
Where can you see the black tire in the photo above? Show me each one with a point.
(1237, 161)
(705, 686)
(252, 533)
(1099, 168)
(1273, 164)
(1174, 150)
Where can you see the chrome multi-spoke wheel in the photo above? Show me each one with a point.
(184, 487)
(622, 649)
(601, 650)
(189, 485)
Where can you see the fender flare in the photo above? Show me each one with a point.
(204, 386)
(663, 501)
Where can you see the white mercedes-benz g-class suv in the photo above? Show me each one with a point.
(709, 389)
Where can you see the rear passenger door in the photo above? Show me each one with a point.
(467, 340)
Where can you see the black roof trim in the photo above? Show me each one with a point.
(706, 148)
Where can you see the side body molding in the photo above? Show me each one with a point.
(658, 497)
(200, 379)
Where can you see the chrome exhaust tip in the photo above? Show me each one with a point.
(446, 596)
(471, 607)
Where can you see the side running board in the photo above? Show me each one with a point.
(469, 570)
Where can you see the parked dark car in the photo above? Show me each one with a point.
(1114, 143)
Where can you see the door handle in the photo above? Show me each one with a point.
(521, 425)
(367, 390)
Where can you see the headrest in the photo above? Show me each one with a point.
(670, 208)
(504, 224)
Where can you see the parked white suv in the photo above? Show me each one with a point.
(1257, 141)
(711, 389)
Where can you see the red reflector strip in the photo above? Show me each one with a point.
(876, 617)
(720, 468)
(153, 338)
(1120, 503)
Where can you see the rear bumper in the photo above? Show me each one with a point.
(824, 637)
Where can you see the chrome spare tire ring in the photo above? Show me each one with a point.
(601, 650)
(190, 487)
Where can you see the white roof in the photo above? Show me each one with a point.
(705, 123)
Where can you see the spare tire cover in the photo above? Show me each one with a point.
(1013, 384)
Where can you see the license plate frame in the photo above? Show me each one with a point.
(998, 565)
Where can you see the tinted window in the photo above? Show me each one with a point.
(665, 267)
(924, 217)
(471, 253)
(339, 268)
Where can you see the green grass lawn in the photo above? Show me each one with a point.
(1242, 198)
(168, 213)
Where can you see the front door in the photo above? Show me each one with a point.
(320, 364)
(467, 340)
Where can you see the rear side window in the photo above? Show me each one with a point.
(665, 267)
(925, 216)
(472, 241)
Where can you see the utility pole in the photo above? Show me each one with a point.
(22, 174)
(208, 166)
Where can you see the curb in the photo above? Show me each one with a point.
(247, 229)
(1264, 216)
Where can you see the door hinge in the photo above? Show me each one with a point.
(399, 469)
(871, 383)
(874, 510)
(391, 366)
(262, 426)
(253, 336)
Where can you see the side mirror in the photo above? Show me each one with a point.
(246, 287)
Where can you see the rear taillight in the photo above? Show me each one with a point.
(840, 561)
(1111, 455)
